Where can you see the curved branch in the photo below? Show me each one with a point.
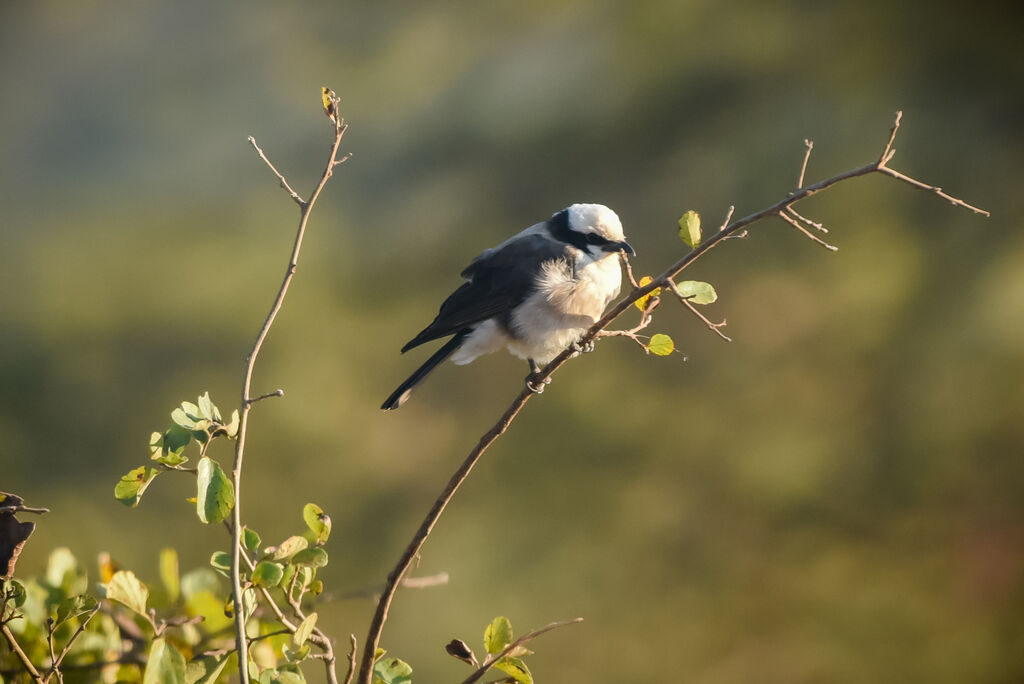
(726, 232)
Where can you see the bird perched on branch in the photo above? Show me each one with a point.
(536, 294)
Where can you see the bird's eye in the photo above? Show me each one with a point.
(595, 239)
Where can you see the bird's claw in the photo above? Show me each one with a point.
(536, 388)
(582, 348)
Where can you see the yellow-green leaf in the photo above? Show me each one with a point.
(318, 522)
(697, 292)
(131, 486)
(689, 228)
(303, 631)
(169, 573)
(661, 344)
(498, 635)
(642, 302)
(216, 495)
(165, 664)
(124, 587)
(515, 668)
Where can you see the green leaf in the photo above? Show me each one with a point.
(176, 439)
(267, 574)
(124, 587)
(250, 539)
(392, 671)
(15, 590)
(221, 561)
(74, 606)
(169, 573)
(289, 547)
(498, 635)
(661, 344)
(216, 494)
(131, 486)
(689, 228)
(315, 557)
(303, 631)
(205, 669)
(515, 668)
(697, 292)
(642, 302)
(206, 604)
(165, 664)
(318, 522)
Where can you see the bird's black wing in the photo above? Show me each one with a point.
(499, 280)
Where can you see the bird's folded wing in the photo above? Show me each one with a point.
(500, 280)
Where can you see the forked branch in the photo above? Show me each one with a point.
(247, 400)
(728, 230)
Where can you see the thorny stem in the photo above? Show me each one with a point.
(305, 206)
(727, 231)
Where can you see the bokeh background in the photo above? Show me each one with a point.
(835, 496)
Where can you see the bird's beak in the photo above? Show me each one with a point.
(619, 247)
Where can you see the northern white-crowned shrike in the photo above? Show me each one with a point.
(537, 293)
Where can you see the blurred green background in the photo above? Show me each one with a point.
(836, 496)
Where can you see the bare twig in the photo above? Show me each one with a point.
(809, 144)
(353, 649)
(268, 395)
(796, 224)
(23, 509)
(373, 592)
(489, 663)
(280, 177)
(246, 404)
(813, 224)
(54, 668)
(16, 648)
(728, 217)
(462, 472)
(715, 327)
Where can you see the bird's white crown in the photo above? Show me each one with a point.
(596, 218)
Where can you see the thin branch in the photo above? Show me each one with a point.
(930, 188)
(246, 405)
(803, 168)
(813, 224)
(728, 217)
(731, 230)
(796, 224)
(280, 177)
(353, 649)
(715, 327)
(16, 647)
(268, 395)
(373, 592)
(54, 668)
(23, 509)
(489, 663)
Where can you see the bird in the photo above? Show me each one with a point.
(535, 294)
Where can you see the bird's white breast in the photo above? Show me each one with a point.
(563, 307)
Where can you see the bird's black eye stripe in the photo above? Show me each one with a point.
(560, 230)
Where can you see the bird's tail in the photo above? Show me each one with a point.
(401, 395)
